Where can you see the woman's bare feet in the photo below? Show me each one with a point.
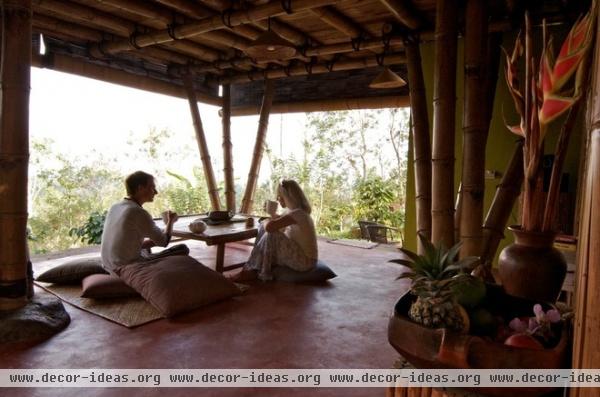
(244, 275)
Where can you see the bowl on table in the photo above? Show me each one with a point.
(220, 216)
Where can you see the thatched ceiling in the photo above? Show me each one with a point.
(116, 40)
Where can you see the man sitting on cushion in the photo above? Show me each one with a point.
(129, 229)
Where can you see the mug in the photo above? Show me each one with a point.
(271, 207)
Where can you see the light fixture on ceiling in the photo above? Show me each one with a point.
(270, 46)
(387, 79)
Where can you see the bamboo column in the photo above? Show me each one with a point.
(259, 146)
(227, 147)
(586, 343)
(506, 195)
(421, 139)
(213, 191)
(444, 102)
(475, 128)
(14, 152)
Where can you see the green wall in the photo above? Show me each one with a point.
(500, 143)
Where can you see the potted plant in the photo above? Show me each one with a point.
(531, 267)
(450, 319)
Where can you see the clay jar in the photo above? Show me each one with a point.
(531, 267)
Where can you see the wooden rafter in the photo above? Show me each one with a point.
(234, 18)
(66, 64)
(403, 13)
(382, 102)
(302, 70)
(116, 25)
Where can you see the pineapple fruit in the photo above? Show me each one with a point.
(433, 276)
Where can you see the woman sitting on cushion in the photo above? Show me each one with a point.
(288, 239)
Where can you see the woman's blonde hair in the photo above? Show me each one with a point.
(293, 192)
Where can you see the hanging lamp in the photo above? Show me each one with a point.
(387, 78)
(270, 46)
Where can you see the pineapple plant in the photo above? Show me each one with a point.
(434, 276)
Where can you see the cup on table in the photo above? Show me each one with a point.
(271, 207)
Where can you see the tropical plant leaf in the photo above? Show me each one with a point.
(404, 262)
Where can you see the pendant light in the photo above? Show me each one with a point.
(387, 78)
(270, 46)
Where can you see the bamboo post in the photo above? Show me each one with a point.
(227, 147)
(586, 341)
(444, 101)
(213, 191)
(506, 195)
(259, 146)
(421, 139)
(14, 152)
(475, 129)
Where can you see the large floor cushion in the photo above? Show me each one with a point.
(177, 284)
(321, 272)
(105, 286)
(72, 272)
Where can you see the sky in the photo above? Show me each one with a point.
(80, 114)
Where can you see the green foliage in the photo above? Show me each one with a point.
(182, 195)
(373, 198)
(91, 231)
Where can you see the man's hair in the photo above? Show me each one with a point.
(135, 180)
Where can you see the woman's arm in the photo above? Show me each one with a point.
(279, 222)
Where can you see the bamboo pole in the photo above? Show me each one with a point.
(63, 63)
(14, 152)
(122, 27)
(159, 18)
(442, 202)
(318, 68)
(475, 129)
(199, 11)
(504, 200)
(391, 101)
(53, 27)
(259, 147)
(227, 148)
(586, 341)
(216, 22)
(213, 191)
(421, 138)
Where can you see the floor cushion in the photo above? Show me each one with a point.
(177, 284)
(72, 272)
(103, 286)
(321, 272)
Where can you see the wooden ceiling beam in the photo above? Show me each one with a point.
(53, 26)
(161, 18)
(390, 101)
(403, 12)
(66, 64)
(338, 21)
(318, 68)
(200, 11)
(224, 20)
(116, 25)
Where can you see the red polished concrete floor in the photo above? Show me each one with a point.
(342, 324)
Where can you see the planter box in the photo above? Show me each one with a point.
(440, 348)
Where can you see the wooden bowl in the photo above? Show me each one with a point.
(441, 348)
(220, 215)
